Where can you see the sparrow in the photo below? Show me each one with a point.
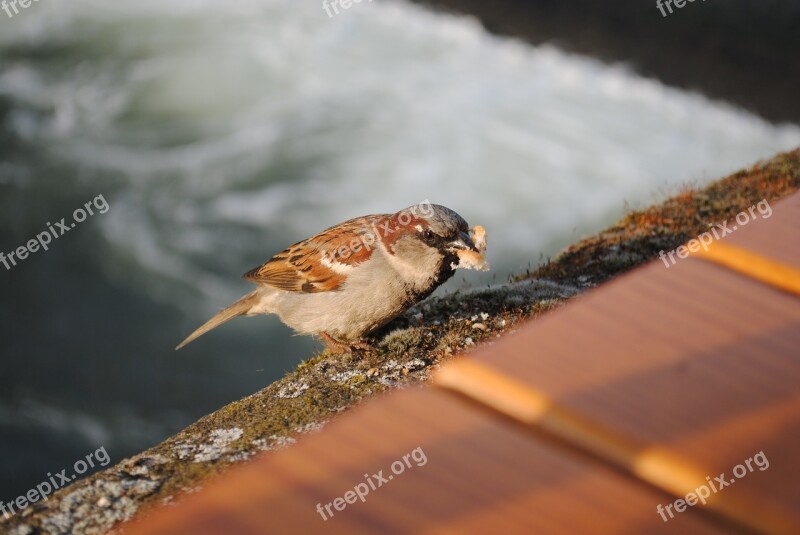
(352, 279)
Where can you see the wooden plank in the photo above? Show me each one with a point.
(695, 358)
(481, 475)
(652, 463)
(775, 237)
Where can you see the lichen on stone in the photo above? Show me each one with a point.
(217, 445)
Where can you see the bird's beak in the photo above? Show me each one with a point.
(463, 243)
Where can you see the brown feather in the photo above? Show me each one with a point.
(301, 267)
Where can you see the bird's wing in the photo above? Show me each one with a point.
(320, 263)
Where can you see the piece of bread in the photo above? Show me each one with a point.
(472, 259)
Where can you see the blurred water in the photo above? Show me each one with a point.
(221, 133)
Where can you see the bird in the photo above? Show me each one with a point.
(351, 279)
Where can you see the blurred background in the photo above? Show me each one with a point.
(220, 133)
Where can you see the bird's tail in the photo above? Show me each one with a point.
(239, 308)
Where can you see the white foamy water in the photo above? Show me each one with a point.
(223, 132)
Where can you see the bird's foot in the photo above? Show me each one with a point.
(337, 348)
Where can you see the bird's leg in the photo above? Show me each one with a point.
(337, 348)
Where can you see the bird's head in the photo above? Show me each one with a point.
(430, 236)
(444, 230)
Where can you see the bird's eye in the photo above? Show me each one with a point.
(429, 234)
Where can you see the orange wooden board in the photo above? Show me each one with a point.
(482, 475)
(694, 357)
(776, 237)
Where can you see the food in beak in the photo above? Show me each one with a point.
(469, 259)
